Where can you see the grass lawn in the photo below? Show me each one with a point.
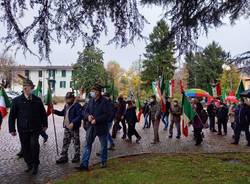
(229, 168)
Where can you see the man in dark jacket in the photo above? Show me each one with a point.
(119, 117)
(211, 110)
(222, 116)
(98, 114)
(71, 123)
(165, 115)
(31, 118)
(242, 117)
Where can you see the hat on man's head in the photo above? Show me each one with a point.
(70, 95)
(97, 87)
(28, 82)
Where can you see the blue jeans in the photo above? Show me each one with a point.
(88, 148)
(165, 119)
(110, 140)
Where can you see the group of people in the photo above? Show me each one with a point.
(103, 118)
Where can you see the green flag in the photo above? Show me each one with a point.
(209, 89)
(224, 93)
(48, 101)
(188, 114)
(163, 85)
(167, 86)
(38, 90)
(138, 103)
(240, 89)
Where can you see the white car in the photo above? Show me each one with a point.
(12, 94)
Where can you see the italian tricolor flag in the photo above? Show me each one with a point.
(4, 103)
(170, 88)
(49, 102)
(157, 91)
(188, 114)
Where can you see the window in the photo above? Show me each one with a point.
(71, 84)
(27, 73)
(40, 73)
(63, 73)
(62, 84)
(52, 73)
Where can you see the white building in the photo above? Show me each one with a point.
(59, 77)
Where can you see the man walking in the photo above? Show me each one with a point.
(176, 112)
(72, 113)
(31, 118)
(155, 114)
(98, 114)
(119, 117)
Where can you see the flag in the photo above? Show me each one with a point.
(218, 89)
(48, 101)
(170, 88)
(209, 89)
(38, 90)
(4, 102)
(188, 114)
(181, 86)
(159, 96)
(240, 89)
(224, 94)
(163, 85)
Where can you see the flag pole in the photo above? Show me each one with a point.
(53, 119)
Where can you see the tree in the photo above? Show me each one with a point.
(230, 78)
(6, 69)
(159, 55)
(70, 20)
(190, 18)
(205, 66)
(89, 69)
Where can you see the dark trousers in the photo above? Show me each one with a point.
(30, 147)
(132, 131)
(224, 124)
(238, 130)
(212, 123)
(117, 125)
(197, 135)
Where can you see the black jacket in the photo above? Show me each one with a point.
(101, 111)
(130, 115)
(211, 110)
(222, 113)
(30, 114)
(75, 114)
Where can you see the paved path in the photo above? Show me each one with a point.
(12, 168)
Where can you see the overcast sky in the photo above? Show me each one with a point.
(234, 39)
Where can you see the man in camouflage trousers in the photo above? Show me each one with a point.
(72, 113)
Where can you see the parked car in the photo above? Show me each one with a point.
(12, 94)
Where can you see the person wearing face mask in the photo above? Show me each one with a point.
(176, 112)
(131, 119)
(29, 112)
(242, 118)
(98, 113)
(155, 114)
(211, 110)
(72, 113)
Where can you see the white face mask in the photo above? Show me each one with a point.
(93, 94)
(151, 100)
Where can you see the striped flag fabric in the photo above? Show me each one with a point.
(49, 102)
(157, 91)
(4, 103)
(170, 88)
(188, 114)
(38, 90)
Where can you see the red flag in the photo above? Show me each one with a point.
(139, 116)
(181, 86)
(218, 89)
(231, 93)
(172, 86)
(184, 129)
